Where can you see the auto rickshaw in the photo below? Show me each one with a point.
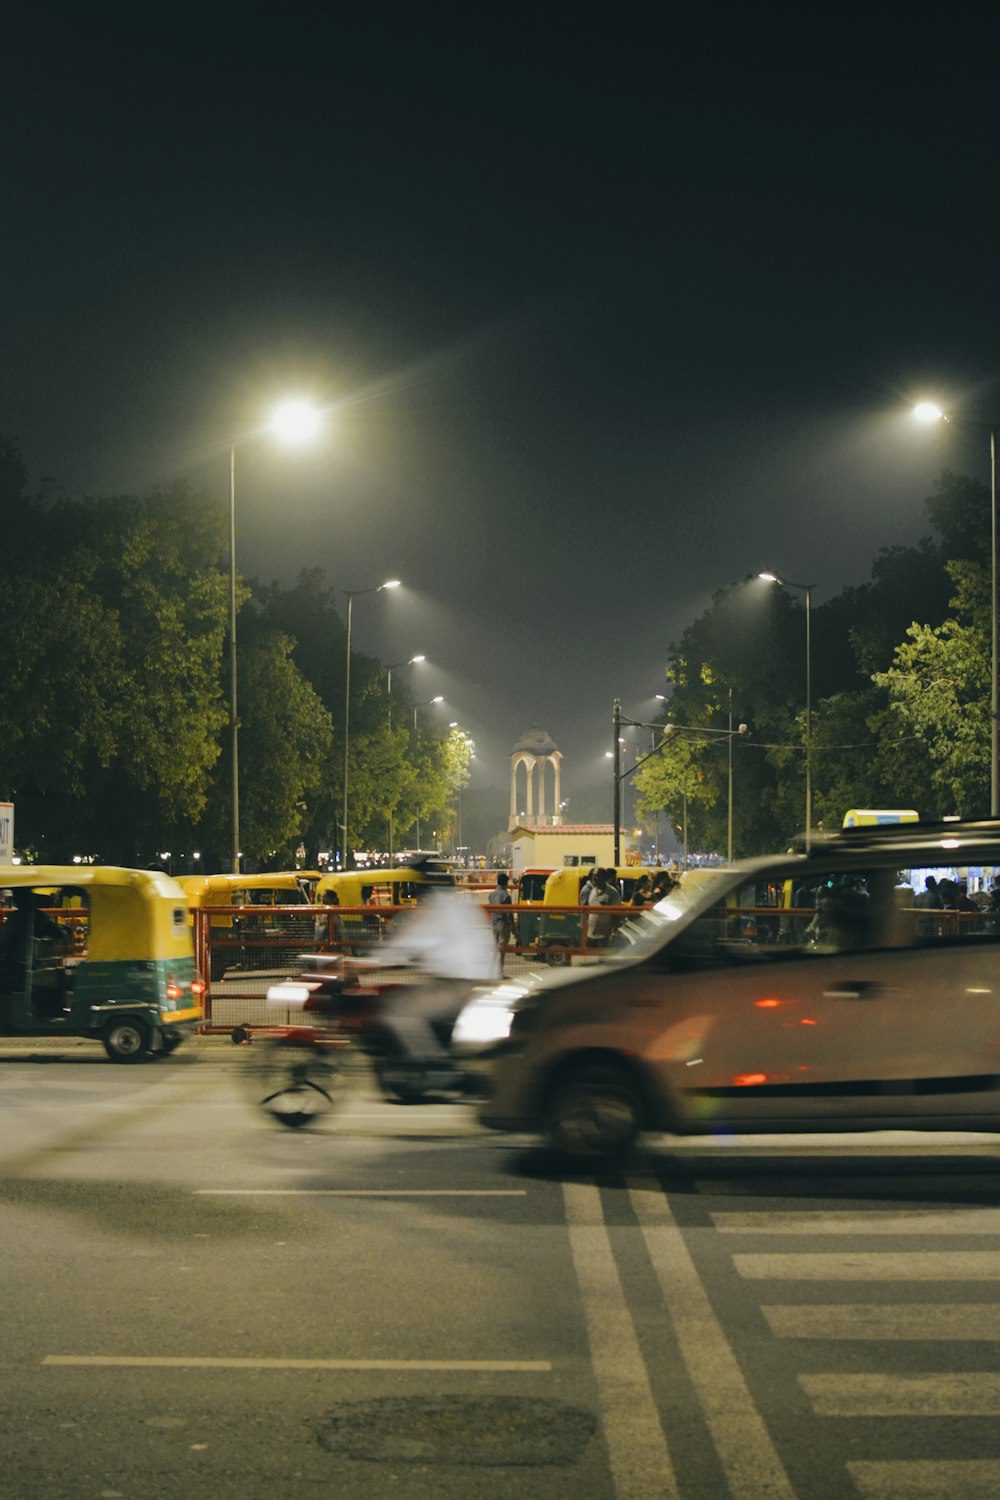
(101, 952)
(373, 889)
(530, 892)
(242, 940)
(560, 932)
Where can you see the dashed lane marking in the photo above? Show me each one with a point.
(206, 1362)
(361, 1192)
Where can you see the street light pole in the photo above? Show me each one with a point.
(438, 698)
(293, 422)
(352, 594)
(807, 589)
(233, 720)
(995, 595)
(393, 667)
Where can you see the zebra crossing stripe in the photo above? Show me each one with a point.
(912, 1265)
(930, 1221)
(906, 1320)
(972, 1394)
(970, 1479)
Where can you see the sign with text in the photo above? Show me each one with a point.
(6, 832)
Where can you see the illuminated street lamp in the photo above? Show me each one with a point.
(293, 422)
(418, 706)
(352, 594)
(411, 661)
(927, 411)
(805, 588)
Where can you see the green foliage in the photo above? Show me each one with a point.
(939, 693)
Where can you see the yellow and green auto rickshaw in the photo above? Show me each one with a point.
(373, 889)
(560, 932)
(97, 951)
(249, 939)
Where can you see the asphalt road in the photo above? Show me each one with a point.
(200, 1304)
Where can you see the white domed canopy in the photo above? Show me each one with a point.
(535, 750)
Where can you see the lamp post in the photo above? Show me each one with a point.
(352, 594)
(807, 589)
(439, 698)
(293, 422)
(394, 667)
(926, 411)
(666, 732)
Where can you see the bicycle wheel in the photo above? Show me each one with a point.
(295, 1082)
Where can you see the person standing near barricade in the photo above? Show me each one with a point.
(502, 922)
(605, 892)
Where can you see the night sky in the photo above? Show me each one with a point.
(610, 307)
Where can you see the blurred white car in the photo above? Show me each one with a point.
(856, 988)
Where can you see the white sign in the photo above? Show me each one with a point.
(6, 832)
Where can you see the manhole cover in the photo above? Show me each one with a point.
(458, 1430)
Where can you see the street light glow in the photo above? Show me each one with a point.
(927, 411)
(295, 421)
(392, 583)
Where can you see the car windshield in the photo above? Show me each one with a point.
(651, 926)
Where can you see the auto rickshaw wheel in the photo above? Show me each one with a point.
(557, 958)
(126, 1041)
(292, 1081)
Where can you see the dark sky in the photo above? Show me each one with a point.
(611, 307)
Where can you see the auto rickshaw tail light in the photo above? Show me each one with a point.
(198, 986)
(174, 990)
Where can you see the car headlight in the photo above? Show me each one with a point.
(483, 1023)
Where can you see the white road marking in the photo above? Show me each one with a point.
(641, 1466)
(971, 1479)
(205, 1362)
(360, 1192)
(748, 1456)
(973, 1394)
(914, 1265)
(880, 1221)
(963, 1320)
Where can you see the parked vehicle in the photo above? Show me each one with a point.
(240, 939)
(530, 891)
(99, 952)
(868, 1003)
(560, 932)
(379, 888)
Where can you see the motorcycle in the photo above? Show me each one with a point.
(296, 1072)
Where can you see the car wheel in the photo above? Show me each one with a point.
(126, 1041)
(593, 1111)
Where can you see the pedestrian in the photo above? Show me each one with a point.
(605, 893)
(502, 921)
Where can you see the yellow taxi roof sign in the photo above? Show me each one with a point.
(867, 817)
